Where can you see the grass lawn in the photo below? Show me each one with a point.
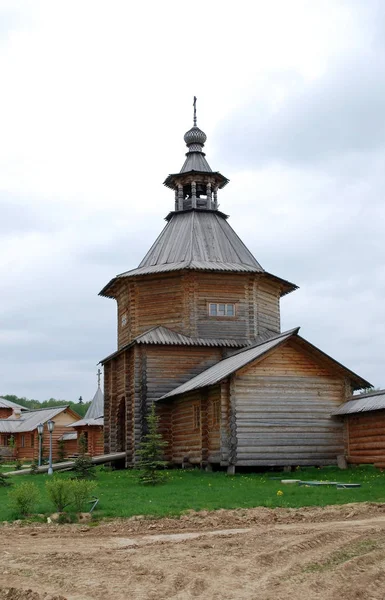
(121, 495)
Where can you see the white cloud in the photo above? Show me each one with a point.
(95, 100)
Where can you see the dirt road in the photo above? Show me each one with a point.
(260, 554)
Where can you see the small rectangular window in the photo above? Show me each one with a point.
(220, 309)
(32, 440)
(23, 441)
(197, 416)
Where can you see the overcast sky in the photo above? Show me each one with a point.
(95, 98)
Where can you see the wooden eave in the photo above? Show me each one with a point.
(171, 180)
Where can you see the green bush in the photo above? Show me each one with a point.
(59, 492)
(82, 491)
(23, 498)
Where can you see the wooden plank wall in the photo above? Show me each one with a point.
(223, 287)
(180, 301)
(159, 301)
(170, 366)
(283, 406)
(5, 413)
(267, 305)
(95, 439)
(186, 440)
(366, 438)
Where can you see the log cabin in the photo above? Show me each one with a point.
(199, 334)
(21, 427)
(363, 418)
(7, 407)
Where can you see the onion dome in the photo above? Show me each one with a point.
(195, 136)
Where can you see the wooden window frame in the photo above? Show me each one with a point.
(22, 440)
(197, 416)
(226, 304)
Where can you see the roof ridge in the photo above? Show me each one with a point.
(366, 395)
(274, 336)
(47, 408)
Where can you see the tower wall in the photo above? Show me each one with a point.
(181, 301)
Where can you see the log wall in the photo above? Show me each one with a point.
(94, 434)
(365, 438)
(283, 405)
(27, 443)
(180, 301)
(5, 413)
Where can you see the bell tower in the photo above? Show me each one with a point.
(196, 186)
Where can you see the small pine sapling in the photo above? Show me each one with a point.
(4, 481)
(34, 467)
(61, 451)
(84, 468)
(151, 452)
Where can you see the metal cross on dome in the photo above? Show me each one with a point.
(195, 111)
(99, 375)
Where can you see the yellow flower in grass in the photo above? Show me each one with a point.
(280, 493)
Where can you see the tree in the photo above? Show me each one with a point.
(151, 451)
(83, 467)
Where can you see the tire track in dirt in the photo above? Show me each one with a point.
(278, 555)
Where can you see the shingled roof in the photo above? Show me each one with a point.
(95, 412)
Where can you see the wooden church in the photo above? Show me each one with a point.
(199, 334)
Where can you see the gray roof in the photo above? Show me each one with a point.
(195, 161)
(164, 335)
(88, 422)
(199, 236)
(29, 420)
(96, 408)
(197, 240)
(4, 403)
(229, 365)
(161, 335)
(362, 403)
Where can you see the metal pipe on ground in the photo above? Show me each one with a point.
(69, 464)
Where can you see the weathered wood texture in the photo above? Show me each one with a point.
(365, 438)
(95, 441)
(27, 444)
(191, 438)
(180, 301)
(5, 413)
(70, 447)
(283, 405)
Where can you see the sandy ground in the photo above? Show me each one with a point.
(260, 554)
